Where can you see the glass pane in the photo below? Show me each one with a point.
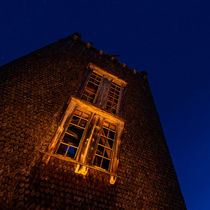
(62, 149)
(77, 112)
(71, 140)
(105, 164)
(85, 115)
(83, 123)
(97, 161)
(75, 120)
(110, 143)
(76, 133)
(102, 141)
(112, 127)
(106, 124)
(91, 88)
(107, 153)
(111, 134)
(104, 132)
(71, 152)
(100, 150)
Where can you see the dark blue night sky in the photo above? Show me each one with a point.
(168, 39)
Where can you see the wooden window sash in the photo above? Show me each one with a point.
(84, 156)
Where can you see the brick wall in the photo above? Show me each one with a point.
(34, 91)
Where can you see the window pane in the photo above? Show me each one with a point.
(75, 131)
(102, 141)
(71, 140)
(111, 134)
(105, 164)
(77, 112)
(107, 153)
(75, 120)
(71, 152)
(91, 88)
(62, 149)
(83, 123)
(112, 127)
(100, 150)
(106, 124)
(97, 161)
(85, 115)
(104, 132)
(110, 143)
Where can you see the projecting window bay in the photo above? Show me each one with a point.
(70, 142)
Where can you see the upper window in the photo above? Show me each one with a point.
(70, 141)
(103, 89)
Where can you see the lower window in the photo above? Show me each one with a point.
(89, 137)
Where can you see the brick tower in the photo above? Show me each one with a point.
(79, 130)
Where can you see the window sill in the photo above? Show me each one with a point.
(82, 168)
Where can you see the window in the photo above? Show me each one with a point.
(103, 89)
(89, 137)
(70, 142)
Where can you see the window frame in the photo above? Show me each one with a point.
(112, 79)
(81, 159)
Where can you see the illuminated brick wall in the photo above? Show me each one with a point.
(34, 92)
